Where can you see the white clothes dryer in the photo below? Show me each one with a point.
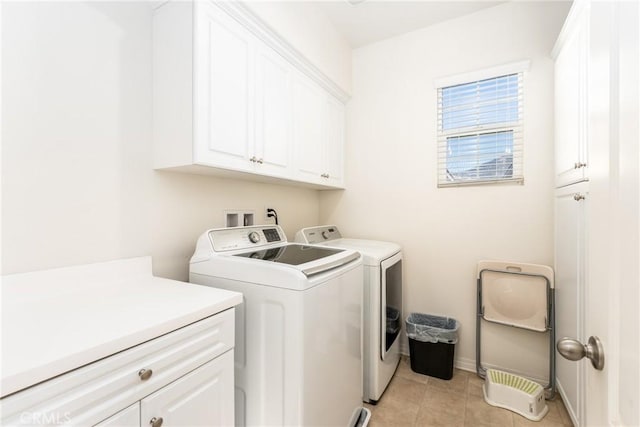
(297, 356)
(382, 303)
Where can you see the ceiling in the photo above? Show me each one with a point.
(374, 20)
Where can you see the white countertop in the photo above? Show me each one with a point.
(57, 320)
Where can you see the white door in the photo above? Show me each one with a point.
(613, 299)
(273, 112)
(224, 75)
(203, 397)
(612, 294)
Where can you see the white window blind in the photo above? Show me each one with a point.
(480, 131)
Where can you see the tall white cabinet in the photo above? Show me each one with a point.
(571, 55)
(231, 98)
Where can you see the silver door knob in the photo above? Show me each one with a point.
(156, 422)
(145, 374)
(574, 350)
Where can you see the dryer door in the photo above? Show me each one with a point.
(391, 302)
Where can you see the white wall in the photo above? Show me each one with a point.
(309, 31)
(77, 180)
(391, 168)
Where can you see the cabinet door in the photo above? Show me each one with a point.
(334, 146)
(129, 417)
(571, 107)
(203, 397)
(223, 92)
(273, 112)
(570, 253)
(309, 124)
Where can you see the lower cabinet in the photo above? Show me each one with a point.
(571, 222)
(183, 378)
(129, 417)
(203, 397)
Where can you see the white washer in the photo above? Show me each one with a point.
(382, 303)
(298, 355)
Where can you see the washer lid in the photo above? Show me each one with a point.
(373, 251)
(291, 254)
(259, 250)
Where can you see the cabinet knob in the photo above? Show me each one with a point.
(156, 422)
(253, 159)
(260, 161)
(325, 175)
(145, 374)
(579, 165)
(577, 197)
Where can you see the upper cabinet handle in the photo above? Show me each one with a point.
(579, 165)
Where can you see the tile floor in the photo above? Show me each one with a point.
(418, 400)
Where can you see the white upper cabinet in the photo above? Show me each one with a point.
(232, 99)
(334, 144)
(571, 102)
(224, 77)
(309, 129)
(318, 134)
(274, 126)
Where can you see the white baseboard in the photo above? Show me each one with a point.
(465, 364)
(469, 365)
(570, 410)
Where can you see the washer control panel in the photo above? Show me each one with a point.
(319, 234)
(226, 239)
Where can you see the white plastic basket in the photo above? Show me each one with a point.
(515, 393)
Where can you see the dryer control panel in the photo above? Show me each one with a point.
(226, 239)
(319, 234)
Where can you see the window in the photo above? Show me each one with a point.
(480, 130)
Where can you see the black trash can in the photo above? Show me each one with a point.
(432, 342)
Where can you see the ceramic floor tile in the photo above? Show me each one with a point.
(475, 389)
(520, 421)
(394, 412)
(442, 409)
(439, 417)
(457, 384)
(406, 390)
(404, 371)
(416, 400)
(479, 413)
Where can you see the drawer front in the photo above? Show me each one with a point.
(92, 393)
